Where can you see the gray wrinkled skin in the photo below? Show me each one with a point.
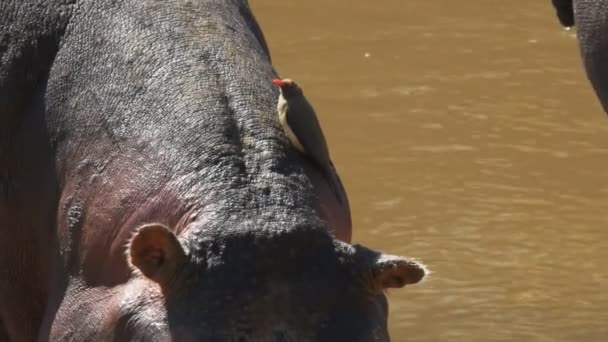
(590, 17)
(115, 114)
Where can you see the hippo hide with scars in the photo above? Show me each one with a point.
(148, 192)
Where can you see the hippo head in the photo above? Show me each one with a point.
(300, 285)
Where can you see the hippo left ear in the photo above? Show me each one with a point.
(156, 252)
(391, 271)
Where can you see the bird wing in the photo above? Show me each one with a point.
(305, 125)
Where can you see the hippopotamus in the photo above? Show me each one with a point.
(591, 20)
(149, 193)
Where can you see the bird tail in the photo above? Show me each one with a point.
(336, 184)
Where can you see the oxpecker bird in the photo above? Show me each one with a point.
(300, 123)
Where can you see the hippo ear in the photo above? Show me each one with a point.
(390, 271)
(156, 252)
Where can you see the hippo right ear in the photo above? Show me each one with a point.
(390, 271)
(156, 252)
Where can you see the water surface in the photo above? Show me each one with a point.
(467, 136)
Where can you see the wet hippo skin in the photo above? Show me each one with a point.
(150, 194)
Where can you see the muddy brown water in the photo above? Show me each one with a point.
(467, 136)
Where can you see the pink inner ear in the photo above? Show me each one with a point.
(154, 257)
(278, 82)
(150, 259)
(156, 252)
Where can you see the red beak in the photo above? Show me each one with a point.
(278, 82)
